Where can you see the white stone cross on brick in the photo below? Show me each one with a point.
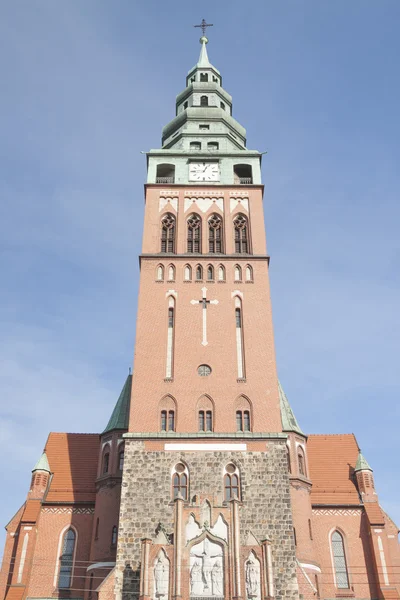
(204, 303)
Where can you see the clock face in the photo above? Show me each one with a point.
(205, 171)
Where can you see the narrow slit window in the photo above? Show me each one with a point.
(210, 273)
(170, 339)
(199, 273)
(239, 339)
(163, 420)
(171, 420)
(188, 273)
(202, 423)
(208, 420)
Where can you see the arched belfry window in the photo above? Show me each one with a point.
(240, 225)
(243, 414)
(160, 273)
(204, 101)
(180, 481)
(215, 234)
(67, 559)
(168, 233)
(205, 408)
(194, 234)
(339, 561)
(231, 482)
(188, 273)
(203, 76)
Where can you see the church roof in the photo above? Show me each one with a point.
(332, 460)
(42, 464)
(289, 421)
(361, 464)
(73, 458)
(120, 415)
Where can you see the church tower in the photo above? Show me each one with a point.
(205, 505)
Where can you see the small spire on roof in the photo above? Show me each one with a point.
(361, 464)
(289, 421)
(42, 464)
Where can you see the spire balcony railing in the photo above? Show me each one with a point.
(165, 179)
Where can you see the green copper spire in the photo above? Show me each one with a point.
(289, 421)
(361, 464)
(42, 464)
(120, 415)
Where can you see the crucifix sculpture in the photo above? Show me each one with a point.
(204, 26)
(204, 303)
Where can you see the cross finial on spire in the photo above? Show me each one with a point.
(204, 26)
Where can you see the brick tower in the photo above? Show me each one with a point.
(205, 505)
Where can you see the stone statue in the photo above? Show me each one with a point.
(217, 576)
(196, 579)
(252, 577)
(161, 577)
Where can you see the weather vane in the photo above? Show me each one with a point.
(204, 26)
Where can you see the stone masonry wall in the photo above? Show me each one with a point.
(265, 508)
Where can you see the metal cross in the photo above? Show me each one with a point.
(204, 303)
(204, 26)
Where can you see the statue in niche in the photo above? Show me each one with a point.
(252, 577)
(206, 574)
(217, 576)
(161, 576)
(196, 579)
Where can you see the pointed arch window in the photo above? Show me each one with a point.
(210, 273)
(205, 420)
(188, 273)
(301, 461)
(249, 273)
(106, 460)
(199, 273)
(215, 234)
(180, 480)
(238, 273)
(168, 420)
(240, 225)
(243, 420)
(66, 559)
(231, 482)
(339, 561)
(221, 273)
(194, 234)
(204, 101)
(168, 233)
(160, 273)
(121, 457)
(171, 273)
(114, 536)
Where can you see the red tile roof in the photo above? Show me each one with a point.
(332, 459)
(15, 593)
(73, 462)
(31, 512)
(374, 513)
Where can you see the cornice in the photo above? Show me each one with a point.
(208, 257)
(168, 435)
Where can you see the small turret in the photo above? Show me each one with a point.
(365, 479)
(40, 478)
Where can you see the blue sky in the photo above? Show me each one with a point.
(85, 87)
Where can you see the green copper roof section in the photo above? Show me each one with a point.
(203, 62)
(42, 464)
(120, 415)
(361, 464)
(289, 421)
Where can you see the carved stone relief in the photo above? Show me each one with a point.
(206, 570)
